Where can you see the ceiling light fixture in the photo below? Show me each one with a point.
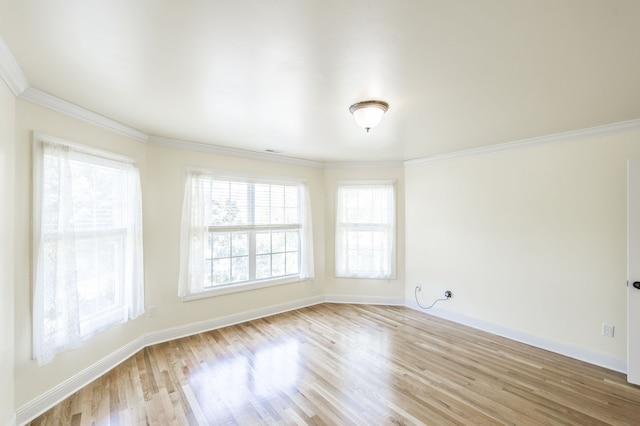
(368, 114)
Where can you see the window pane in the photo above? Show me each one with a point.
(277, 242)
(221, 271)
(263, 242)
(277, 204)
(364, 261)
(377, 240)
(228, 203)
(96, 194)
(262, 204)
(291, 197)
(263, 266)
(221, 245)
(240, 244)
(239, 201)
(99, 276)
(293, 263)
(352, 240)
(240, 268)
(364, 240)
(293, 241)
(278, 264)
(208, 273)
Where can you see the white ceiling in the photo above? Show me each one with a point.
(281, 74)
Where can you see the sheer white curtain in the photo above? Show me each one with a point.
(365, 230)
(88, 269)
(193, 235)
(306, 234)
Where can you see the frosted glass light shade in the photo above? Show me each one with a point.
(368, 114)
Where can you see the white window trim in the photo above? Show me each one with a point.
(244, 286)
(256, 284)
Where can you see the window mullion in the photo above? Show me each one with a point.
(252, 255)
(210, 242)
(251, 203)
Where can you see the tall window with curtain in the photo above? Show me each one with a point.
(365, 230)
(88, 269)
(240, 232)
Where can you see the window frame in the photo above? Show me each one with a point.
(392, 254)
(303, 201)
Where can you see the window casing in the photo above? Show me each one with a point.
(365, 230)
(239, 233)
(88, 271)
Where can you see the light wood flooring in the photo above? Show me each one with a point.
(333, 364)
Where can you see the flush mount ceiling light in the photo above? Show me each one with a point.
(368, 113)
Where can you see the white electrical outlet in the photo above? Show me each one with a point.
(607, 330)
(152, 311)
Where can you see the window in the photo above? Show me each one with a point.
(365, 230)
(241, 233)
(87, 244)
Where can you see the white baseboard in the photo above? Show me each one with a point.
(33, 409)
(52, 397)
(364, 300)
(571, 351)
(202, 326)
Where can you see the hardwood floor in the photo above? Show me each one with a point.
(350, 364)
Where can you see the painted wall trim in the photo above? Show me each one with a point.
(10, 71)
(590, 132)
(213, 324)
(364, 300)
(363, 164)
(55, 395)
(571, 351)
(233, 152)
(57, 104)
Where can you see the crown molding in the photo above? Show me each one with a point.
(10, 71)
(232, 152)
(57, 104)
(590, 132)
(363, 164)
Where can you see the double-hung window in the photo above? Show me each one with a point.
(88, 269)
(241, 233)
(365, 230)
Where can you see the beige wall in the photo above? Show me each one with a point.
(348, 289)
(533, 239)
(7, 153)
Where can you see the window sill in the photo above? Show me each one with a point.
(237, 288)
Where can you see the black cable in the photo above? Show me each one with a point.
(430, 306)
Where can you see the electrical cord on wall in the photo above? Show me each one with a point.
(447, 295)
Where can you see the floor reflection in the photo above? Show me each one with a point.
(233, 380)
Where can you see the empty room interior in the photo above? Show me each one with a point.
(308, 212)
